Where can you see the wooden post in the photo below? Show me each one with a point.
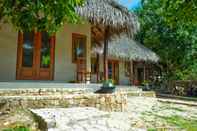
(147, 71)
(144, 71)
(97, 67)
(131, 73)
(105, 61)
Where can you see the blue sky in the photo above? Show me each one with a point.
(130, 4)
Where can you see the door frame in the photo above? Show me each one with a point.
(35, 69)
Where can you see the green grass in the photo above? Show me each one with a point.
(175, 121)
(180, 122)
(20, 128)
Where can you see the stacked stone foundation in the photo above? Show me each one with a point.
(52, 98)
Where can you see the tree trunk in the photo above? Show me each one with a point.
(105, 60)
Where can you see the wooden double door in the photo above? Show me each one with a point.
(113, 70)
(35, 56)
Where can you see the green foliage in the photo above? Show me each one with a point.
(42, 15)
(183, 12)
(169, 28)
(145, 82)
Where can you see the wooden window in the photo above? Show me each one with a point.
(45, 51)
(28, 49)
(78, 47)
(127, 68)
(35, 56)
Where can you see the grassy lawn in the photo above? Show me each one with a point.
(17, 128)
(169, 116)
(180, 122)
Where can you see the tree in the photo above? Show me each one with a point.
(180, 11)
(169, 28)
(47, 15)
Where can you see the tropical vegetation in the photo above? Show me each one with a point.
(41, 15)
(169, 28)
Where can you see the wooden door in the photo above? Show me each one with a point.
(113, 70)
(35, 58)
(140, 75)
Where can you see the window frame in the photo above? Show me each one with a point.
(74, 37)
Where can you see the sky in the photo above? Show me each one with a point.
(130, 4)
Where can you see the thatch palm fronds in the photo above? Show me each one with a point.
(125, 48)
(109, 13)
(108, 18)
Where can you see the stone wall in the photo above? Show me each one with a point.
(49, 98)
(183, 88)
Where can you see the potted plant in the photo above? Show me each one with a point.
(146, 85)
(107, 87)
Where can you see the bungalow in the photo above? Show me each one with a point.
(129, 62)
(67, 56)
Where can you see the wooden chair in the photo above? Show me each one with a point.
(100, 77)
(82, 75)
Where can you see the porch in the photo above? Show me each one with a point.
(61, 86)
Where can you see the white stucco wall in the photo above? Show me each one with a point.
(64, 69)
(8, 51)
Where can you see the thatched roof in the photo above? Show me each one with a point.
(128, 49)
(109, 13)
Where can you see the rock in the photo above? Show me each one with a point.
(79, 119)
(19, 117)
